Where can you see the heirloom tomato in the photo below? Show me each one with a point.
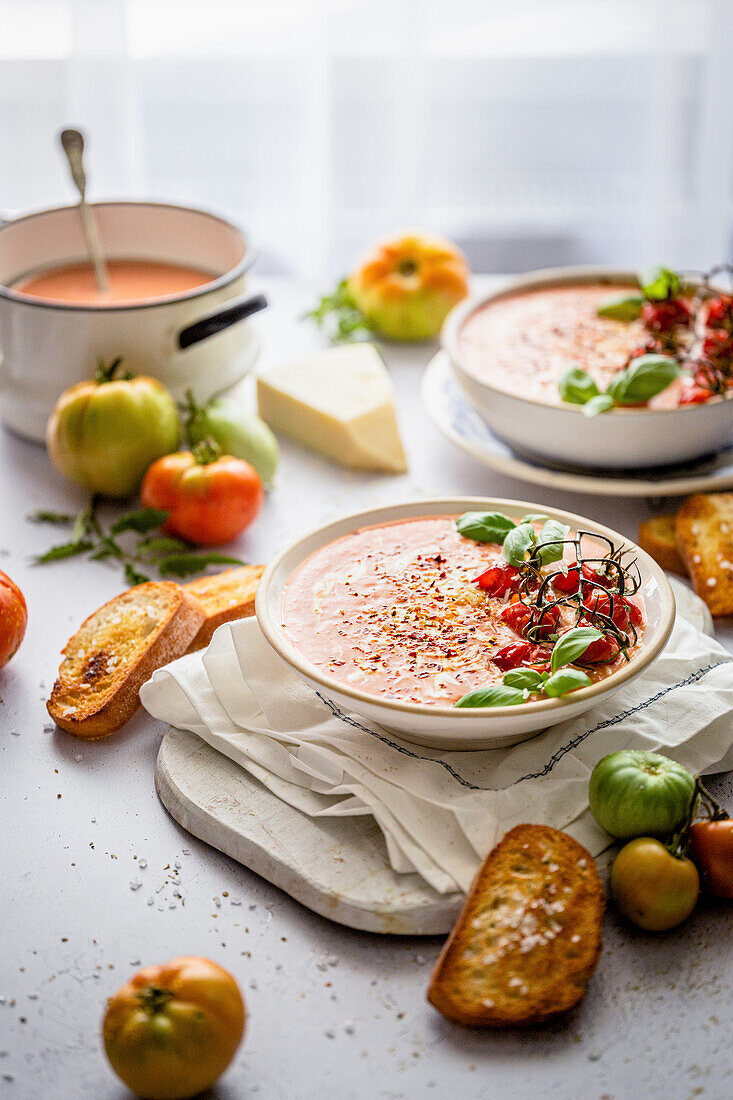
(172, 1030)
(210, 497)
(652, 887)
(635, 793)
(711, 846)
(13, 618)
(103, 434)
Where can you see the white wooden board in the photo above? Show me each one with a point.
(337, 867)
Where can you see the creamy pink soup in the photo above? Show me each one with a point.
(129, 281)
(391, 610)
(525, 342)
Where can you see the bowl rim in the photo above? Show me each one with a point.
(226, 279)
(450, 505)
(547, 277)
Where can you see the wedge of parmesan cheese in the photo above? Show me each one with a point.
(339, 402)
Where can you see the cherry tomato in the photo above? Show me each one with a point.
(172, 1030)
(601, 651)
(625, 611)
(519, 618)
(653, 888)
(711, 844)
(717, 345)
(499, 580)
(664, 316)
(691, 393)
(512, 656)
(567, 583)
(720, 312)
(13, 618)
(210, 500)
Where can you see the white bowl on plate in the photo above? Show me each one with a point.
(621, 438)
(448, 727)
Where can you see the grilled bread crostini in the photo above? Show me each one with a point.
(705, 538)
(224, 597)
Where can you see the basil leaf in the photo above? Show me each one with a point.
(526, 679)
(577, 386)
(64, 550)
(132, 576)
(180, 565)
(518, 542)
(659, 283)
(600, 404)
(554, 534)
(645, 376)
(533, 517)
(485, 526)
(572, 645)
(499, 695)
(566, 680)
(144, 520)
(622, 307)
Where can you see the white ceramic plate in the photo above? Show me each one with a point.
(447, 727)
(622, 439)
(453, 415)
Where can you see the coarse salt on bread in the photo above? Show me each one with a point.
(705, 538)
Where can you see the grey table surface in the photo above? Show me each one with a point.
(333, 1013)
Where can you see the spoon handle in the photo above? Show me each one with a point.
(72, 142)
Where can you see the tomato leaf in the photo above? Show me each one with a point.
(485, 526)
(553, 535)
(621, 307)
(572, 645)
(143, 520)
(517, 542)
(659, 283)
(645, 377)
(498, 695)
(577, 386)
(161, 544)
(526, 679)
(564, 681)
(181, 565)
(64, 550)
(134, 577)
(60, 519)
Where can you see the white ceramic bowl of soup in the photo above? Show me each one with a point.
(189, 329)
(541, 426)
(445, 726)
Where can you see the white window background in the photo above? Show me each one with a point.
(534, 132)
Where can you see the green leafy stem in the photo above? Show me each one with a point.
(171, 557)
(644, 378)
(338, 316)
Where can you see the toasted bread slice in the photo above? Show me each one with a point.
(658, 537)
(529, 936)
(227, 596)
(115, 651)
(705, 538)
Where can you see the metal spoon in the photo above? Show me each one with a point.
(72, 142)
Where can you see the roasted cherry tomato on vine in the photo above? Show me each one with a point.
(13, 618)
(499, 580)
(172, 1030)
(601, 651)
(717, 345)
(520, 617)
(652, 887)
(567, 583)
(512, 656)
(711, 845)
(720, 313)
(691, 393)
(625, 612)
(664, 316)
(210, 498)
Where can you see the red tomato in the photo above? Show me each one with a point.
(601, 651)
(720, 312)
(693, 394)
(711, 845)
(512, 656)
(717, 345)
(499, 580)
(625, 612)
(209, 502)
(13, 618)
(519, 618)
(567, 583)
(664, 316)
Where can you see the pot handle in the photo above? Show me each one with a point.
(233, 312)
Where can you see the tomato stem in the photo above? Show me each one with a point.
(154, 999)
(206, 451)
(110, 372)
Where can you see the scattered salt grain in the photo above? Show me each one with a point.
(420, 960)
(217, 903)
(348, 1027)
(253, 983)
(135, 884)
(330, 1033)
(142, 864)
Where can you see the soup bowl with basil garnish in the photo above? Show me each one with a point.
(464, 623)
(596, 367)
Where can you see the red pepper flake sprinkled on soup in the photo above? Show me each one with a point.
(418, 612)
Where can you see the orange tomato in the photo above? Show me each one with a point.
(405, 287)
(711, 846)
(13, 618)
(210, 499)
(652, 887)
(172, 1030)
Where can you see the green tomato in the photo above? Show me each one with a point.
(634, 793)
(103, 434)
(238, 433)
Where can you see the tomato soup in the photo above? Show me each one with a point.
(525, 342)
(129, 281)
(394, 611)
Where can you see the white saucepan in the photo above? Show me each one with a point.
(197, 340)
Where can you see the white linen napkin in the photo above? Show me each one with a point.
(442, 812)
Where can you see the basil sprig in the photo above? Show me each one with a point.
(658, 283)
(519, 541)
(519, 683)
(485, 526)
(621, 307)
(518, 544)
(644, 378)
